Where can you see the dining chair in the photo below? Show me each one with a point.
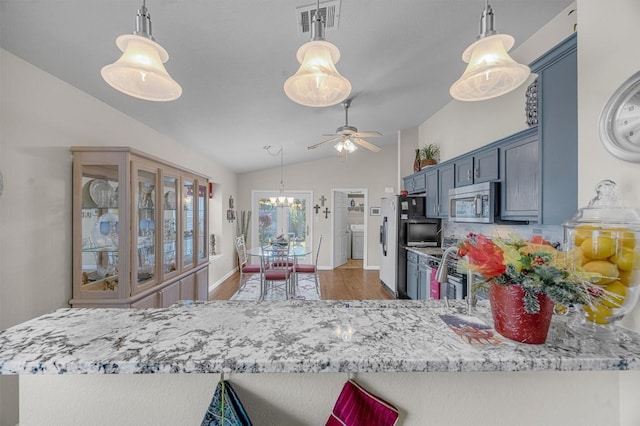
(310, 268)
(246, 269)
(277, 269)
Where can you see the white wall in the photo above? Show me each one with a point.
(530, 398)
(321, 177)
(606, 58)
(40, 118)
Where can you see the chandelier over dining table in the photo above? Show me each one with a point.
(281, 200)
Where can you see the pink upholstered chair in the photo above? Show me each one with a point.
(277, 269)
(308, 268)
(246, 270)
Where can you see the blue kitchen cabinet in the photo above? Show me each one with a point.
(418, 275)
(423, 278)
(482, 166)
(415, 183)
(520, 166)
(446, 176)
(464, 171)
(412, 275)
(438, 182)
(431, 180)
(558, 130)
(539, 166)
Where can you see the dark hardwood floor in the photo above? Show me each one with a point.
(348, 282)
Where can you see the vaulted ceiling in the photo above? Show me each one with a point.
(232, 57)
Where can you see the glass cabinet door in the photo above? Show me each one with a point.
(145, 230)
(201, 223)
(170, 225)
(188, 222)
(100, 230)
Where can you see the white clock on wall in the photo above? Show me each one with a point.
(619, 124)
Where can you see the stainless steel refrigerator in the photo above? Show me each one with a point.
(395, 211)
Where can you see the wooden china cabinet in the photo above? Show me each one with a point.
(139, 230)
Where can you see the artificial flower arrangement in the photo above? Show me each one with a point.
(534, 265)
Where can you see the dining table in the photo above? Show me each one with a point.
(295, 251)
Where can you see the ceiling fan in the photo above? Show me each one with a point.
(348, 138)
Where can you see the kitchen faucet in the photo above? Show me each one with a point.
(441, 277)
(441, 273)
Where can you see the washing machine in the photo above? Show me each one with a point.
(357, 241)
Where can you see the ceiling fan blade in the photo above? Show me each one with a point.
(369, 134)
(334, 138)
(368, 145)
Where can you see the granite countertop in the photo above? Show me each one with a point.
(290, 336)
(427, 251)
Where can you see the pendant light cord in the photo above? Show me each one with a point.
(281, 153)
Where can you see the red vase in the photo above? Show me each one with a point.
(512, 321)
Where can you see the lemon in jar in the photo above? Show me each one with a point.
(598, 313)
(583, 232)
(600, 247)
(629, 278)
(606, 271)
(624, 259)
(624, 236)
(615, 294)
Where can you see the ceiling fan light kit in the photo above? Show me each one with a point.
(140, 71)
(317, 83)
(348, 137)
(346, 145)
(491, 71)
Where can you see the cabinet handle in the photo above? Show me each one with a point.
(468, 174)
(476, 173)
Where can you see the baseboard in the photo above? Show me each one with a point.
(221, 280)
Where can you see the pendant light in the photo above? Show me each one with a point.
(317, 83)
(139, 71)
(491, 71)
(281, 200)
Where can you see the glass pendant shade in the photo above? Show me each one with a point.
(139, 71)
(491, 71)
(317, 83)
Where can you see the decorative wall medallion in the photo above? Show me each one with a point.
(531, 106)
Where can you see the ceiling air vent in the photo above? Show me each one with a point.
(330, 11)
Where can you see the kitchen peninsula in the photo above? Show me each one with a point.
(159, 366)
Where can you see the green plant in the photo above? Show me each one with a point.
(430, 152)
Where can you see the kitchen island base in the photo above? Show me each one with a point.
(465, 398)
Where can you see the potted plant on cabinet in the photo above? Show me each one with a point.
(429, 155)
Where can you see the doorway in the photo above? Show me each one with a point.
(349, 228)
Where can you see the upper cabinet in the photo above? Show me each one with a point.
(140, 225)
(477, 168)
(416, 183)
(520, 165)
(558, 130)
(438, 181)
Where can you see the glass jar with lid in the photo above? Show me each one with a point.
(602, 242)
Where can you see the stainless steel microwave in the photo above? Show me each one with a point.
(475, 203)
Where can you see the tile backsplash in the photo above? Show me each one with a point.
(455, 231)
